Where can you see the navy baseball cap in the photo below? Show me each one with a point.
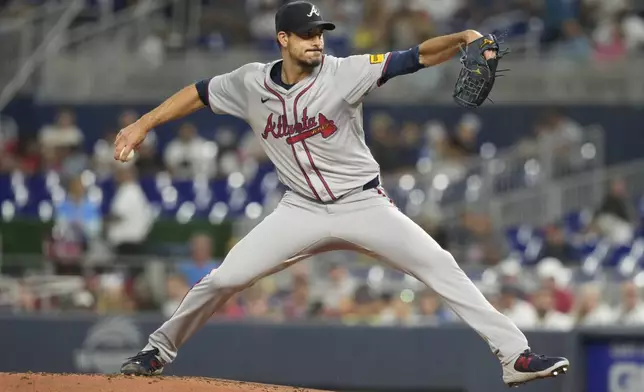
(300, 17)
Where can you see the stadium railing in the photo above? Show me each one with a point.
(513, 184)
(48, 44)
(60, 34)
(21, 35)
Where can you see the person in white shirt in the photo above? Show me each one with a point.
(521, 312)
(190, 154)
(631, 311)
(335, 293)
(130, 214)
(63, 134)
(559, 131)
(590, 310)
(547, 316)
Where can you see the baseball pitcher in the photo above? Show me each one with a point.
(306, 109)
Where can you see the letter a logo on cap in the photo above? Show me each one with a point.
(314, 10)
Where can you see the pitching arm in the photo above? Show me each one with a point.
(179, 105)
(224, 94)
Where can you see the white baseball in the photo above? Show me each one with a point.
(129, 156)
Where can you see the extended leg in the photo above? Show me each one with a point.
(394, 238)
(291, 233)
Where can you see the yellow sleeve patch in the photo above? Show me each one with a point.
(376, 58)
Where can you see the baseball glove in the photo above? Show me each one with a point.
(477, 76)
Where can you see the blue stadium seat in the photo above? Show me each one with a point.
(518, 237)
(616, 254)
(576, 221)
(6, 193)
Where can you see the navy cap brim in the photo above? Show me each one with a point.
(316, 24)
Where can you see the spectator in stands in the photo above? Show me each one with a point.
(556, 246)
(551, 273)
(435, 147)
(77, 210)
(452, 150)
(256, 305)
(596, 12)
(590, 310)
(464, 141)
(613, 219)
(62, 145)
(430, 310)
(492, 253)
(631, 311)
(396, 311)
(112, 297)
(201, 261)
(610, 40)
(558, 132)
(365, 308)
(232, 310)
(471, 234)
(189, 154)
(103, 155)
(64, 133)
(77, 225)
(130, 216)
(297, 305)
(562, 33)
(617, 28)
(176, 289)
(547, 316)
(228, 157)
(521, 312)
(336, 292)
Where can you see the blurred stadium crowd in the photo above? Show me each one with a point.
(53, 173)
(597, 29)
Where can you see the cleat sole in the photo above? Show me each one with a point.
(559, 370)
(138, 370)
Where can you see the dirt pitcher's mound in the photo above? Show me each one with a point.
(44, 382)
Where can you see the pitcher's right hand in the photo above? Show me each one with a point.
(128, 139)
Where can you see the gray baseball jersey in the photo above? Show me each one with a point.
(313, 134)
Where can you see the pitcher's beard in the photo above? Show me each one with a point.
(309, 65)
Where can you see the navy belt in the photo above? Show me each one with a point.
(371, 184)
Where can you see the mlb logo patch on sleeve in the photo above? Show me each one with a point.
(376, 58)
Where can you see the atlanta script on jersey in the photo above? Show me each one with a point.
(312, 132)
